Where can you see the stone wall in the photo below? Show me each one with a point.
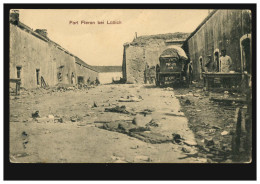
(31, 54)
(221, 31)
(85, 73)
(136, 56)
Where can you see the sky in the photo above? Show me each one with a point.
(102, 44)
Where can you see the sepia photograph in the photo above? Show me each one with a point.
(130, 86)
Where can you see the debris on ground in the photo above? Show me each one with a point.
(142, 133)
(212, 130)
(119, 109)
(208, 116)
(142, 121)
(185, 150)
(152, 123)
(196, 95)
(209, 142)
(224, 133)
(146, 111)
(58, 119)
(131, 98)
(75, 118)
(95, 104)
(177, 138)
(134, 147)
(228, 101)
(216, 127)
(35, 114)
(180, 114)
(190, 142)
(168, 89)
(187, 102)
(24, 134)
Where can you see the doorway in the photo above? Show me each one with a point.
(201, 69)
(245, 46)
(18, 72)
(80, 80)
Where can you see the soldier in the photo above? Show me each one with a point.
(190, 67)
(97, 81)
(72, 78)
(225, 62)
(88, 81)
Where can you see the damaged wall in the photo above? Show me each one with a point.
(146, 49)
(222, 30)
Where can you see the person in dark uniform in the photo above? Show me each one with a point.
(190, 67)
(97, 81)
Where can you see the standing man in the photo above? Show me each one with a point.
(210, 66)
(72, 78)
(225, 66)
(88, 81)
(97, 81)
(225, 62)
(190, 68)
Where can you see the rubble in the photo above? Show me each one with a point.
(146, 111)
(168, 89)
(95, 104)
(142, 133)
(152, 123)
(209, 142)
(177, 138)
(196, 95)
(35, 114)
(224, 133)
(75, 118)
(131, 98)
(142, 121)
(190, 142)
(185, 150)
(58, 119)
(118, 109)
(134, 147)
(187, 102)
(216, 127)
(180, 114)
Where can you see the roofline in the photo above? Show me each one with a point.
(85, 64)
(201, 24)
(24, 26)
(108, 66)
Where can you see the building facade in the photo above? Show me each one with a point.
(35, 59)
(228, 30)
(145, 51)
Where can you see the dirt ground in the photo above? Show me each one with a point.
(213, 123)
(156, 126)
